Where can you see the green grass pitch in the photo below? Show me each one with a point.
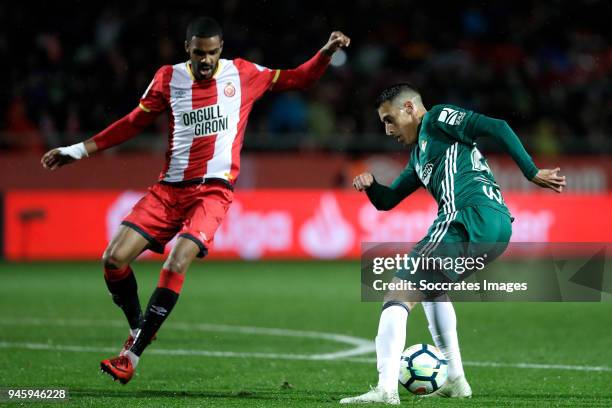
(248, 334)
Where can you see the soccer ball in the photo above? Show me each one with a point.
(423, 369)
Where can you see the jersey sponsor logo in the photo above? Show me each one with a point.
(206, 121)
(451, 116)
(230, 90)
(424, 172)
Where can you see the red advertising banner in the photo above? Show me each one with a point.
(305, 224)
(112, 171)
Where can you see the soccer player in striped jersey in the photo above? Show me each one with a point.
(471, 209)
(208, 100)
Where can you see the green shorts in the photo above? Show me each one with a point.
(481, 233)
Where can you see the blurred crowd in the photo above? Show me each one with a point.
(545, 67)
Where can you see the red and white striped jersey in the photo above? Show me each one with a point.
(207, 118)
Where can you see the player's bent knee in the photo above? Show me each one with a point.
(114, 259)
(176, 264)
(184, 252)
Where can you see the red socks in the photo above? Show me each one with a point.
(167, 278)
(171, 280)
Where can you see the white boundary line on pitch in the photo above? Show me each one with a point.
(278, 356)
(360, 346)
(510, 365)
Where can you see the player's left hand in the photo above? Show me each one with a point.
(550, 178)
(336, 40)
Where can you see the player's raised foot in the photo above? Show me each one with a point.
(120, 368)
(375, 395)
(455, 388)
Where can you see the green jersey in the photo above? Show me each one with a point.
(447, 162)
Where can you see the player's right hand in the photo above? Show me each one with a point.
(550, 178)
(363, 181)
(54, 159)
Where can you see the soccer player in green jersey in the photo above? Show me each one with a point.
(447, 162)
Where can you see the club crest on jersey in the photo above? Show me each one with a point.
(423, 145)
(424, 172)
(230, 90)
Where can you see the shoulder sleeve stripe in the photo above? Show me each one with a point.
(188, 68)
(278, 71)
(144, 108)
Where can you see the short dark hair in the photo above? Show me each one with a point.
(390, 93)
(203, 27)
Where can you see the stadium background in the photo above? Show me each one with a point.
(70, 71)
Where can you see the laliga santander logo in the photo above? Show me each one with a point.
(252, 233)
(394, 226)
(248, 233)
(327, 234)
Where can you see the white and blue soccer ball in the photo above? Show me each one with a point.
(423, 369)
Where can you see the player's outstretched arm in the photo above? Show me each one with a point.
(120, 131)
(503, 133)
(310, 71)
(61, 156)
(384, 198)
(550, 178)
